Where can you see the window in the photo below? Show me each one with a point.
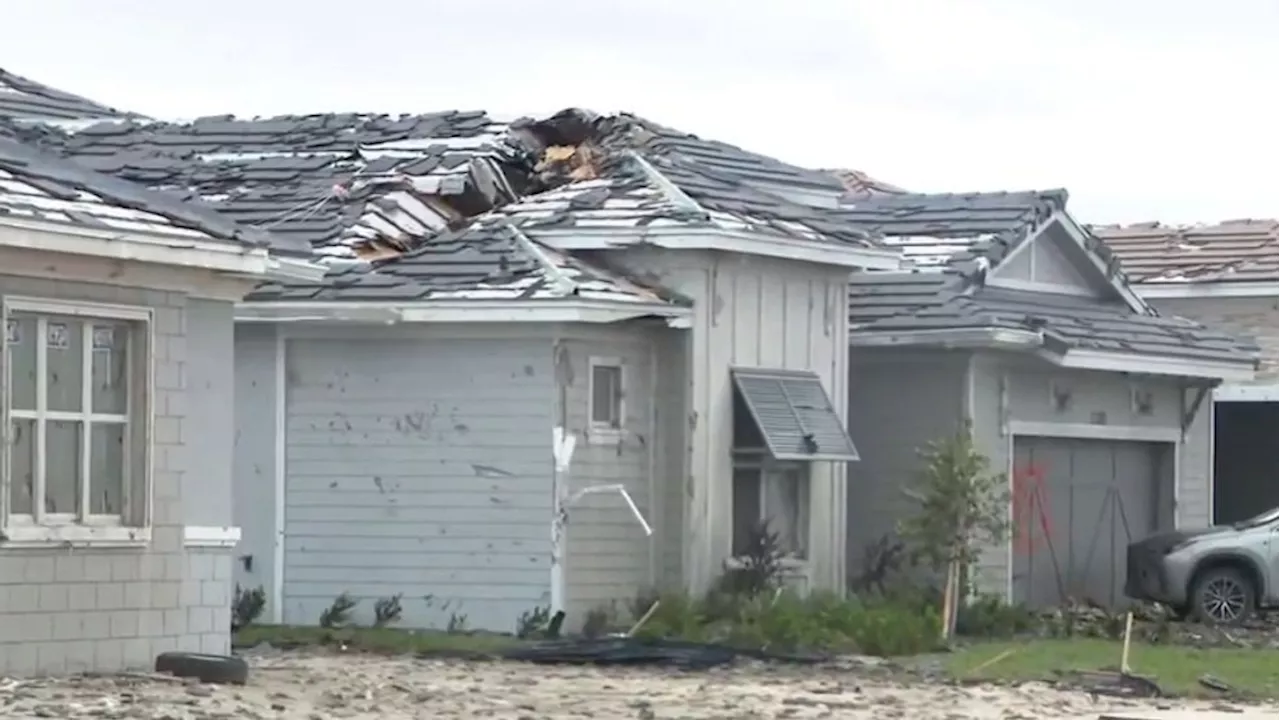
(765, 490)
(75, 408)
(606, 391)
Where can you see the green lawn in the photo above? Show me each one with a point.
(1176, 669)
(378, 640)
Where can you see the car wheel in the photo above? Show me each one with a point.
(1223, 596)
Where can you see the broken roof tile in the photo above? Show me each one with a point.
(1230, 251)
(29, 100)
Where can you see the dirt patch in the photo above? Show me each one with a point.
(295, 686)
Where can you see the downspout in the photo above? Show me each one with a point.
(563, 443)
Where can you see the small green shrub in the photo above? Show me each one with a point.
(247, 606)
(457, 623)
(761, 570)
(533, 622)
(339, 613)
(989, 617)
(387, 611)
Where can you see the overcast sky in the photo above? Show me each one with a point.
(1143, 109)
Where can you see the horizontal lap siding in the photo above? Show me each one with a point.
(420, 468)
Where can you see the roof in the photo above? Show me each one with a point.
(488, 260)
(1231, 251)
(908, 302)
(955, 231)
(373, 186)
(860, 184)
(953, 240)
(37, 186)
(27, 99)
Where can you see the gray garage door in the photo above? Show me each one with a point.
(1077, 504)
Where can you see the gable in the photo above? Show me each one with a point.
(1053, 262)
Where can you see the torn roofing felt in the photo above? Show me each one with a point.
(953, 243)
(1230, 251)
(41, 187)
(491, 259)
(376, 186)
(29, 100)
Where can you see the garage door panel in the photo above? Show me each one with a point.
(1095, 496)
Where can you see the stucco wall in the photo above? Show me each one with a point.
(104, 610)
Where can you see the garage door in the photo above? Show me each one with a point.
(1077, 504)
(420, 470)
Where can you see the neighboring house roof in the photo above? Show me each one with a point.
(28, 99)
(956, 241)
(860, 184)
(1228, 252)
(374, 186)
(42, 188)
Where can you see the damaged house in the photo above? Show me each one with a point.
(1012, 315)
(516, 313)
(1228, 275)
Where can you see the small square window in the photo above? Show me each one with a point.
(606, 394)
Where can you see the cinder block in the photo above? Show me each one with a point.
(222, 565)
(151, 623)
(163, 644)
(68, 626)
(82, 596)
(51, 658)
(138, 595)
(110, 596)
(199, 620)
(19, 658)
(222, 617)
(53, 598)
(215, 593)
(191, 593)
(97, 625)
(216, 643)
(175, 622)
(38, 569)
(108, 655)
(137, 654)
(33, 628)
(167, 430)
(124, 568)
(79, 655)
(11, 570)
(124, 624)
(189, 643)
(68, 568)
(24, 598)
(199, 566)
(164, 595)
(97, 571)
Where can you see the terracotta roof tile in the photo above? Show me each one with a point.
(1231, 251)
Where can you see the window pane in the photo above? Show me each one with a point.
(606, 395)
(787, 509)
(20, 333)
(746, 508)
(64, 338)
(62, 467)
(110, 363)
(22, 466)
(106, 469)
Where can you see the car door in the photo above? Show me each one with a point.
(1272, 591)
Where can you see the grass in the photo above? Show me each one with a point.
(376, 640)
(1176, 669)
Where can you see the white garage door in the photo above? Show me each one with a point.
(1077, 505)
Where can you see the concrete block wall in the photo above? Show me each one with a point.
(98, 609)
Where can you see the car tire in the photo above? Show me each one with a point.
(211, 669)
(1223, 596)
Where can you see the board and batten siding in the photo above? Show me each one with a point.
(608, 558)
(421, 466)
(1098, 398)
(1255, 318)
(750, 312)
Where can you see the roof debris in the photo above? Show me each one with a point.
(1230, 251)
(30, 100)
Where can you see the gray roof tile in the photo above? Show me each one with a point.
(36, 185)
(27, 99)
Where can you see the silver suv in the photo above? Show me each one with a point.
(1219, 575)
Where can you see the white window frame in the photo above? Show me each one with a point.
(133, 526)
(760, 461)
(603, 432)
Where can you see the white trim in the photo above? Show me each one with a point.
(1150, 365)
(1213, 462)
(1038, 287)
(1120, 282)
(599, 433)
(1088, 431)
(734, 241)
(160, 249)
(290, 268)
(208, 536)
(1244, 392)
(281, 473)
(80, 527)
(958, 338)
(456, 311)
(1213, 289)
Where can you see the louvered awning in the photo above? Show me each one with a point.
(794, 414)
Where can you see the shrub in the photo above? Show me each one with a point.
(247, 606)
(338, 613)
(387, 610)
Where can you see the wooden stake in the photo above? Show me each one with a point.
(644, 618)
(1124, 654)
(948, 595)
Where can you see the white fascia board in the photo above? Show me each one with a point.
(464, 311)
(1224, 289)
(297, 269)
(1245, 392)
(746, 243)
(995, 338)
(1154, 365)
(155, 249)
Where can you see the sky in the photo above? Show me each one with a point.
(1143, 109)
